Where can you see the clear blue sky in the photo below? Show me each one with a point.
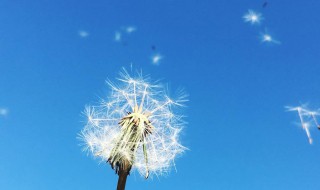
(238, 132)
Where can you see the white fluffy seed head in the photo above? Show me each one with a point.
(136, 123)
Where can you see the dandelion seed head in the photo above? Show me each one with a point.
(252, 17)
(135, 124)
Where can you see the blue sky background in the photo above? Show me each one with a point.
(238, 132)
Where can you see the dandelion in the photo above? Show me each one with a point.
(135, 128)
(252, 17)
(307, 119)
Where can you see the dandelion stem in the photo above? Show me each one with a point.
(123, 174)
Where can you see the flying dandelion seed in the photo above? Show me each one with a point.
(135, 128)
(267, 38)
(83, 34)
(252, 17)
(156, 59)
(3, 111)
(130, 29)
(307, 119)
(117, 36)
